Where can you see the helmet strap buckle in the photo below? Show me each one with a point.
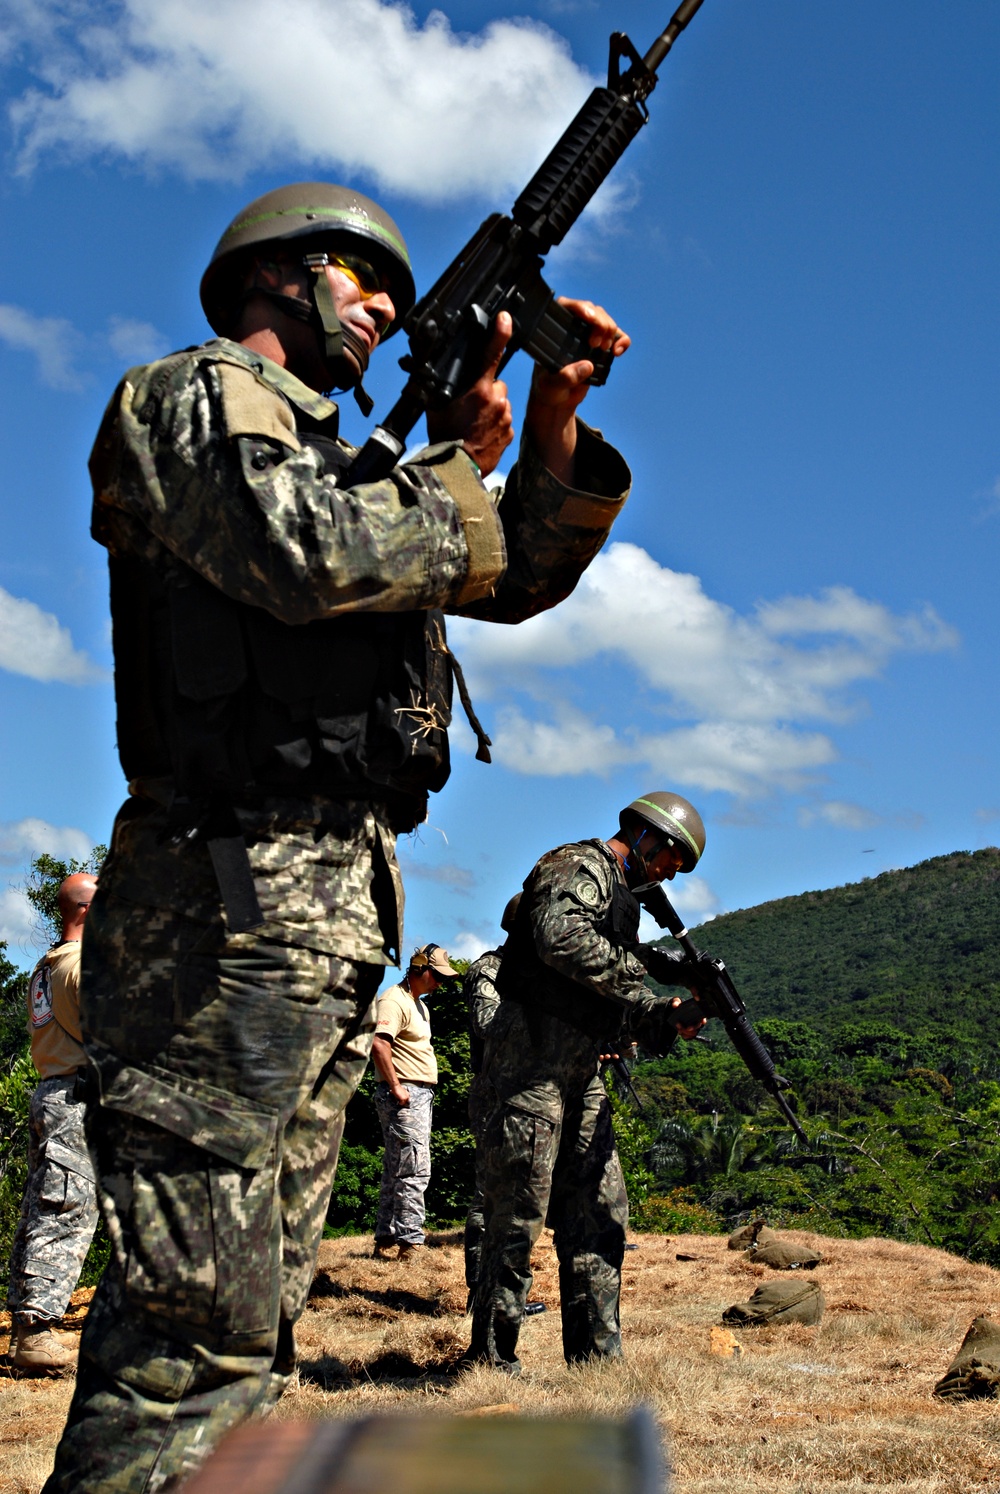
(335, 335)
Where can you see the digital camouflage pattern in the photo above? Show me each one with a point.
(406, 1163)
(224, 1061)
(564, 1173)
(224, 1064)
(548, 1153)
(483, 1002)
(59, 1208)
(199, 460)
(325, 872)
(482, 999)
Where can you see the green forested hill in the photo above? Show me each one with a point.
(879, 1003)
(919, 948)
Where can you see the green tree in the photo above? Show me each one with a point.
(41, 887)
(17, 1080)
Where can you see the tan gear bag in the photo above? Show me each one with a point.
(776, 1303)
(784, 1255)
(757, 1232)
(975, 1370)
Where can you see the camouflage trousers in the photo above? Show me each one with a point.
(566, 1173)
(224, 1064)
(59, 1208)
(482, 1100)
(406, 1163)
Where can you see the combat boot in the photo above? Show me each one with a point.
(409, 1252)
(382, 1249)
(37, 1351)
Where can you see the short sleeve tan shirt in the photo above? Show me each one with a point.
(54, 1012)
(405, 1021)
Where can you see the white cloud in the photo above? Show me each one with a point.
(470, 944)
(134, 341)
(35, 643)
(53, 342)
(712, 661)
(841, 815)
(445, 874)
(20, 840)
(17, 922)
(747, 688)
(571, 744)
(341, 86)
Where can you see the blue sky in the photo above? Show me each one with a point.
(792, 623)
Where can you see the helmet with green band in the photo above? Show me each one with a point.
(317, 218)
(300, 214)
(673, 818)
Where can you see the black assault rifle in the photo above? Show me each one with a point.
(500, 267)
(718, 997)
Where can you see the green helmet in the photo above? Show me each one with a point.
(672, 817)
(302, 212)
(510, 913)
(320, 217)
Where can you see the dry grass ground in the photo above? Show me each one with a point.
(845, 1406)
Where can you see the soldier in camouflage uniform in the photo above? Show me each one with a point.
(482, 1001)
(572, 987)
(283, 686)
(59, 1208)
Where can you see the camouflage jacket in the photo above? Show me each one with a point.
(288, 630)
(482, 1000)
(572, 984)
(574, 953)
(216, 469)
(205, 457)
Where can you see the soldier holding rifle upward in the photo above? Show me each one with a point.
(283, 693)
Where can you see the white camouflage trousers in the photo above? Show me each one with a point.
(59, 1208)
(406, 1165)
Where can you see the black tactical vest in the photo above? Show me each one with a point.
(231, 703)
(525, 978)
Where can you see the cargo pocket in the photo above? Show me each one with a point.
(204, 1224)
(67, 1180)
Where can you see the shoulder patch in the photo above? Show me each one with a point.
(40, 997)
(586, 891)
(251, 408)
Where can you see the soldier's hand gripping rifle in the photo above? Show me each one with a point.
(500, 267)
(718, 997)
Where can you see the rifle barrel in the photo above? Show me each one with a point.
(663, 43)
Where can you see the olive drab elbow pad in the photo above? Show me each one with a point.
(480, 518)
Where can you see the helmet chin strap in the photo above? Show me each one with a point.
(321, 314)
(639, 867)
(338, 339)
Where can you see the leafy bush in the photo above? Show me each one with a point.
(676, 1213)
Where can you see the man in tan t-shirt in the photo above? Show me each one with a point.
(59, 1208)
(404, 1099)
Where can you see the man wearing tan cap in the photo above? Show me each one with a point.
(404, 1098)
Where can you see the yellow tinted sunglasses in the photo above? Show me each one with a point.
(367, 279)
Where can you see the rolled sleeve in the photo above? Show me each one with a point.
(255, 513)
(554, 531)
